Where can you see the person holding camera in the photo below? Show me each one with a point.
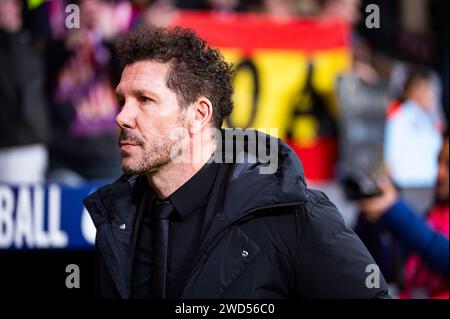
(426, 268)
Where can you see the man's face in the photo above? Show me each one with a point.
(422, 93)
(150, 111)
(443, 174)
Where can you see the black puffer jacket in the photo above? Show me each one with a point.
(271, 238)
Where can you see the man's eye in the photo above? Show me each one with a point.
(145, 99)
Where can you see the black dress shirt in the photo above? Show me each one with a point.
(185, 233)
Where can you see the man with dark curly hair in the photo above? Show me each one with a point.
(202, 212)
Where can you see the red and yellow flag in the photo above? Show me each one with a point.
(285, 78)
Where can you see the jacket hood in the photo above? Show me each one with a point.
(256, 182)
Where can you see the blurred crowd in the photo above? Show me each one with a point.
(58, 106)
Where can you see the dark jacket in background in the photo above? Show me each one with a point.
(23, 109)
(271, 238)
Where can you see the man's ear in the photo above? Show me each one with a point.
(200, 115)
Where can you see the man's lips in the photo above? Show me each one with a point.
(127, 145)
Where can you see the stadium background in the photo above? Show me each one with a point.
(290, 57)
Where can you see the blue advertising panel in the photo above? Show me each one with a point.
(45, 216)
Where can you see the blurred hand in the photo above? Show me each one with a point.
(375, 207)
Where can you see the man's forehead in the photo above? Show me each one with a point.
(144, 74)
(145, 68)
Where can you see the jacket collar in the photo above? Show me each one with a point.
(249, 189)
(248, 192)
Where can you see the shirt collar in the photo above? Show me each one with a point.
(194, 193)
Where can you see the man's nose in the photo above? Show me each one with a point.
(126, 117)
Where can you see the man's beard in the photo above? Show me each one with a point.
(154, 155)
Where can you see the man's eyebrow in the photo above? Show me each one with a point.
(140, 92)
(136, 92)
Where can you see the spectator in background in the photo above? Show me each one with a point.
(426, 270)
(411, 145)
(82, 77)
(277, 9)
(159, 12)
(222, 5)
(347, 10)
(350, 11)
(412, 137)
(23, 120)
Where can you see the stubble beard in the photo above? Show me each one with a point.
(152, 158)
(154, 155)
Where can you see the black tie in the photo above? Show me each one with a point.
(160, 215)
